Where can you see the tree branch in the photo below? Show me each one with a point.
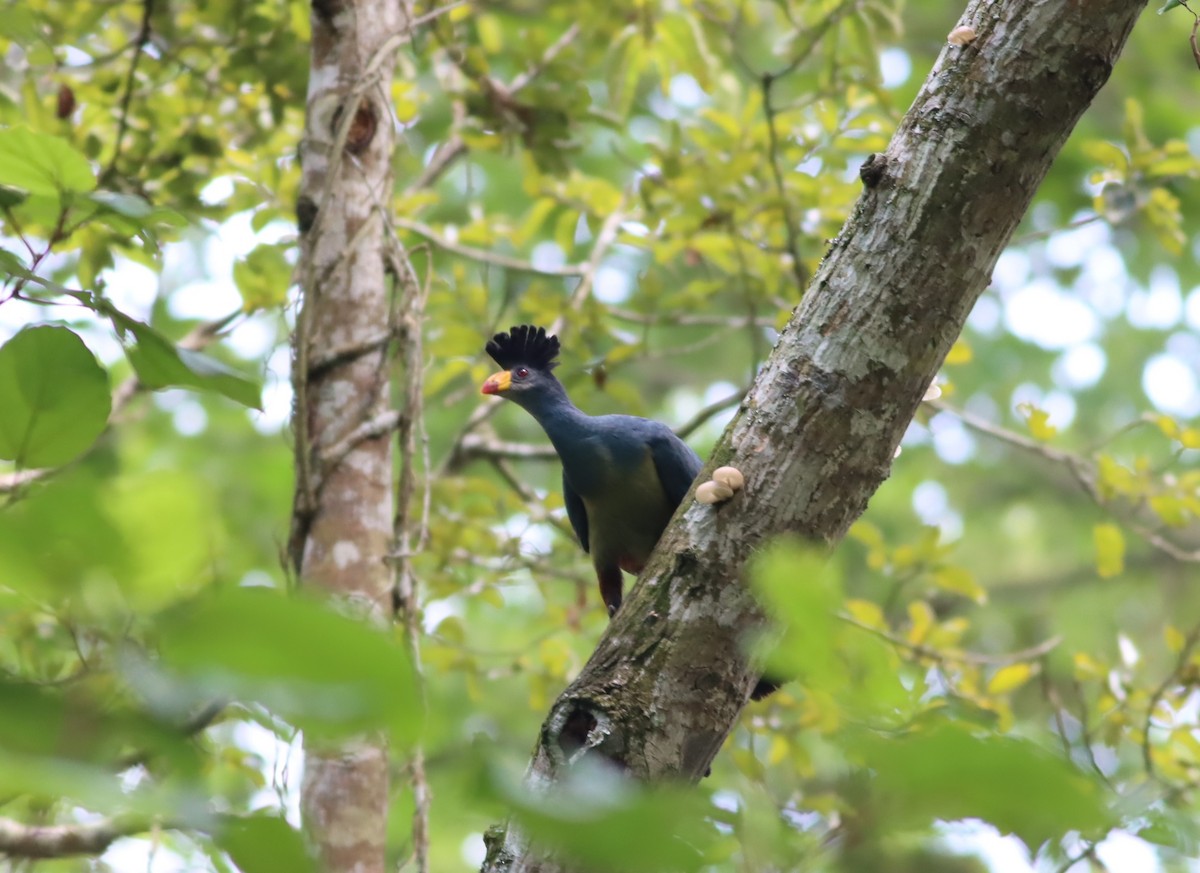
(818, 430)
(1084, 472)
(20, 840)
(139, 45)
(454, 148)
(483, 255)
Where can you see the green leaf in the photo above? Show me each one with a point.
(59, 537)
(1038, 421)
(1110, 550)
(950, 772)
(173, 534)
(959, 580)
(1169, 5)
(1009, 678)
(264, 843)
(322, 671)
(66, 741)
(10, 197)
(100, 731)
(162, 364)
(20, 24)
(802, 596)
(128, 205)
(263, 277)
(54, 396)
(10, 264)
(42, 164)
(661, 828)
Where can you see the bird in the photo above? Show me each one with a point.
(622, 476)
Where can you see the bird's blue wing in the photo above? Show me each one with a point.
(576, 512)
(676, 463)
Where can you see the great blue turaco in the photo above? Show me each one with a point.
(622, 476)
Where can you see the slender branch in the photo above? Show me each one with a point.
(371, 429)
(473, 445)
(960, 657)
(1192, 37)
(697, 421)
(982, 425)
(20, 840)
(1050, 692)
(345, 354)
(404, 543)
(447, 153)
(454, 148)
(494, 258)
(604, 240)
(1084, 472)
(143, 37)
(555, 49)
(686, 319)
(1085, 729)
(1172, 678)
(791, 226)
(1088, 852)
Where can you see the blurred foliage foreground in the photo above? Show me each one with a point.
(1010, 638)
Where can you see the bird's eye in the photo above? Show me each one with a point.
(521, 372)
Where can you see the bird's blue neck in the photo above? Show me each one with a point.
(562, 421)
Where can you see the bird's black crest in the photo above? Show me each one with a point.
(524, 344)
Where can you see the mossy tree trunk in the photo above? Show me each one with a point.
(342, 524)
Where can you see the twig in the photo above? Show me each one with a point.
(604, 240)
(791, 226)
(978, 423)
(494, 258)
(454, 148)
(685, 319)
(371, 429)
(555, 49)
(960, 657)
(410, 326)
(143, 37)
(1088, 852)
(199, 721)
(697, 421)
(344, 354)
(1042, 234)
(1083, 471)
(1085, 727)
(473, 445)
(1160, 692)
(20, 840)
(1055, 701)
(1192, 37)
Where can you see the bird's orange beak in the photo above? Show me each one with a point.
(497, 383)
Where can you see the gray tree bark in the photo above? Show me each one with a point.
(816, 435)
(342, 518)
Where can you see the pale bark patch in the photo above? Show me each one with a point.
(345, 553)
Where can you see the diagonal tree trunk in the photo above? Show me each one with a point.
(342, 518)
(816, 434)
